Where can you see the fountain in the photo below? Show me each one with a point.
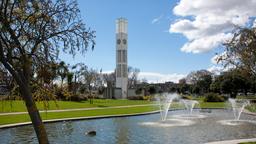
(189, 104)
(165, 101)
(238, 106)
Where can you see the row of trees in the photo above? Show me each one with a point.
(70, 82)
(77, 78)
(239, 58)
(230, 82)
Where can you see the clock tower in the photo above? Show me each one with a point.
(121, 56)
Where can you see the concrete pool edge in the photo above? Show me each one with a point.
(100, 117)
(236, 141)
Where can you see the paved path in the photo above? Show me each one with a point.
(233, 141)
(77, 109)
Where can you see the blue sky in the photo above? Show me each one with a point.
(161, 42)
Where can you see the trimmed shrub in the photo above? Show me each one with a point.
(213, 97)
(78, 98)
(135, 98)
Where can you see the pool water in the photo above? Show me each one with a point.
(135, 130)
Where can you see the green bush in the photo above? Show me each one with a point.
(213, 97)
(135, 98)
(187, 97)
(78, 98)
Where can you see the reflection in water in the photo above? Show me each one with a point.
(130, 130)
(122, 129)
(22, 133)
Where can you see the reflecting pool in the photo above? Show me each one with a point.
(138, 130)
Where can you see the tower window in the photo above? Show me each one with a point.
(124, 56)
(119, 57)
(119, 70)
(124, 41)
(118, 41)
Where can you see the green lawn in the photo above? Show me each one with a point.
(251, 107)
(19, 106)
(213, 104)
(56, 115)
(248, 143)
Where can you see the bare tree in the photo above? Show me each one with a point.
(31, 34)
(132, 76)
(109, 79)
(78, 69)
(90, 78)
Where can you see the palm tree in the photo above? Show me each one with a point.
(62, 72)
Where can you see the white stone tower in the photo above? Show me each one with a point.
(121, 56)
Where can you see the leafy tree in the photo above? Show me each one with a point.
(215, 85)
(240, 51)
(70, 77)
(200, 80)
(204, 83)
(46, 73)
(183, 87)
(31, 34)
(152, 89)
(232, 83)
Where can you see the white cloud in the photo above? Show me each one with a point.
(155, 20)
(152, 77)
(107, 72)
(214, 59)
(216, 69)
(204, 44)
(207, 23)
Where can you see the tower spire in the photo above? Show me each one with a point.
(121, 56)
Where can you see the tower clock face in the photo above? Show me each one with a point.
(118, 41)
(124, 41)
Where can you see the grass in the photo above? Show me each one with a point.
(212, 104)
(251, 108)
(247, 97)
(9, 119)
(19, 106)
(248, 143)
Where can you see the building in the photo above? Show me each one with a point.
(121, 57)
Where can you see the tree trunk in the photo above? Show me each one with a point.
(35, 117)
(30, 104)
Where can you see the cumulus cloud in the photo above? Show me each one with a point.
(160, 78)
(214, 59)
(208, 23)
(216, 69)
